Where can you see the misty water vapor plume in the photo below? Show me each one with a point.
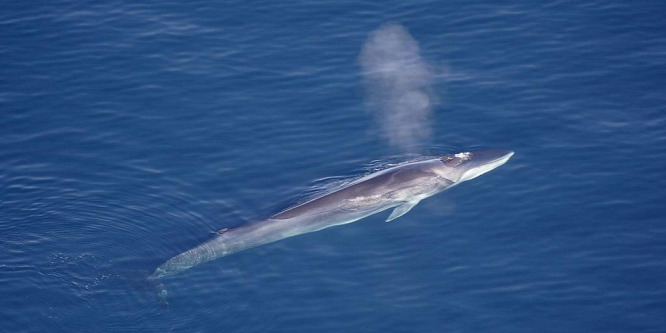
(398, 86)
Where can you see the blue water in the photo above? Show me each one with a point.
(129, 131)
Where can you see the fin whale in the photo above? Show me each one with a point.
(401, 187)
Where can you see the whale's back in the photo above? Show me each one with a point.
(372, 187)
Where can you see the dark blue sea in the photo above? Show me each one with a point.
(131, 131)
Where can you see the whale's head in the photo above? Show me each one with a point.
(464, 166)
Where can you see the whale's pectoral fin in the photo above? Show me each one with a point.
(401, 210)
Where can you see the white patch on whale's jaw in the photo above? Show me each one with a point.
(478, 171)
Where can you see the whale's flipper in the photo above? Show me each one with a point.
(401, 210)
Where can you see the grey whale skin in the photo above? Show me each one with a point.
(402, 187)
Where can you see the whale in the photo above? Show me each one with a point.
(400, 188)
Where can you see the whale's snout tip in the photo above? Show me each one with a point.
(478, 162)
(492, 155)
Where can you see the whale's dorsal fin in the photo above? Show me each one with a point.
(401, 210)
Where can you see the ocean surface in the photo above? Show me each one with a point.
(130, 131)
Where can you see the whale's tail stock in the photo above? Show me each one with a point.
(159, 290)
(149, 284)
